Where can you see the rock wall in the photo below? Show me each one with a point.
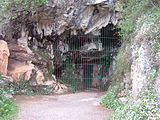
(4, 54)
(85, 15)
(141, 66)
(144, 62)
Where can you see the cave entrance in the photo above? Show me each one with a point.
(84, 61)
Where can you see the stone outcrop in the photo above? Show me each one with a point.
(4, 54)
(58, 88)
(140, 69)
(141, 65)
(19, 70)
(20, 66)
(17, 65)
(23, 41)
(39, 77)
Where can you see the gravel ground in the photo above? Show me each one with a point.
(78, 106)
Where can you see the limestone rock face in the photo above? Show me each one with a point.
(19, 66)
(22, 41)
(4, 53)
(19, 70)
(127, 81)
(19, 53)
(86, 15)
(140, 68)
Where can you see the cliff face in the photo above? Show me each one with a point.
(32, 38)
(59, 16)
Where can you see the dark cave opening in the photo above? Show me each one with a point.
(86, 53)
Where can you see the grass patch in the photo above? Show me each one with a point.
(8, 110)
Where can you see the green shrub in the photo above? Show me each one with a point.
(110, 100)
(123, 62)
(135, 9)
(11, 9)
(144, 109)
(8, 110)
(25, 88)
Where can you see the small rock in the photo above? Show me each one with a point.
(127, 86)
(39, 77)
(123, 100)
(9, 96)
(122, 85)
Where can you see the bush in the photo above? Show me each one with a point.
(25, 88)
(144, 109)
(123, 62)
(135, 9)
(110, 100)
(11, 9)
(8, 111)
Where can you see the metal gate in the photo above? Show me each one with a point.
(83, 61)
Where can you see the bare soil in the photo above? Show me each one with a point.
(78, 106)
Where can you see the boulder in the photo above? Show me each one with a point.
(123, 100)
(19, 53)
(4, 53)
(39, 77)
(60, 89)
(19, 70)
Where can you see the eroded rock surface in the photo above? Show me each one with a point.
(88, 16)
(4, 53)
(20, 70)
(20, 66)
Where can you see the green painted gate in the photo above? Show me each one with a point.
(87, 75)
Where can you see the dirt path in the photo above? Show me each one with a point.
(79, 106)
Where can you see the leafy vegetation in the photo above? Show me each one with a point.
(8, 110)
(25, 88)
(11, 9)
(145, 108)
(110, 100)
(123, 62)
(135, 9)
